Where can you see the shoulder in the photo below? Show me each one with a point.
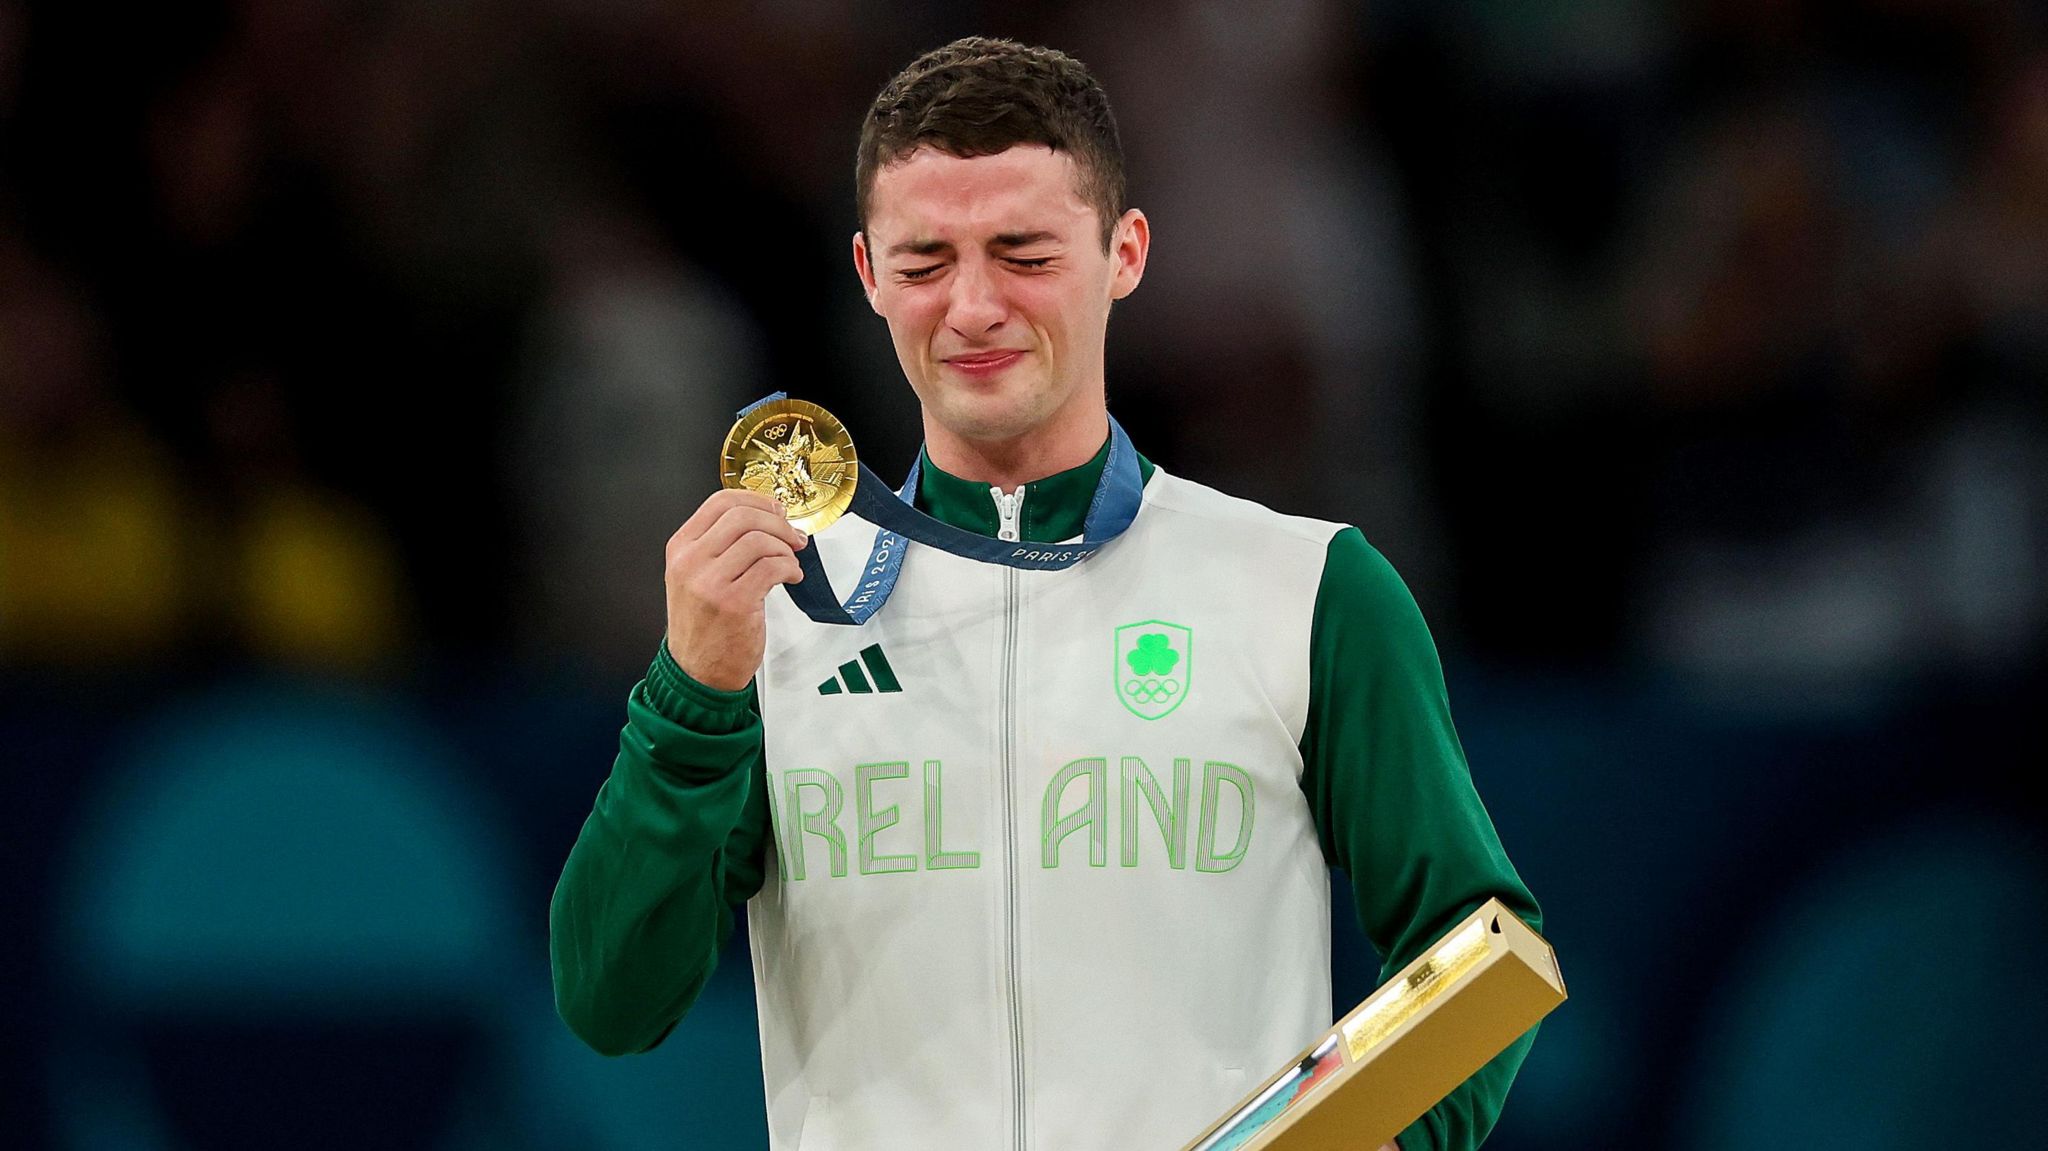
(1185, 503)
(1357, 572)
(1356, 585)
(1365, 611)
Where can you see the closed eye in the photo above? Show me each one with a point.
(926, 271)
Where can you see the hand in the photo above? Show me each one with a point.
(722, 563)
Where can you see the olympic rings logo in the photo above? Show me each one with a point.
(1150, 691)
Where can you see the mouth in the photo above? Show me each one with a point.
(984, 363)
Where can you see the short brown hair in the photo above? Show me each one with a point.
(978, 96)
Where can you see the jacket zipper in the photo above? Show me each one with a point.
(1008, 506)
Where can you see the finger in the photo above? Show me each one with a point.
(737, 522)
(720, 502)
(728, 566)
(766, 572)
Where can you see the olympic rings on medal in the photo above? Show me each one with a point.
(1149, 691)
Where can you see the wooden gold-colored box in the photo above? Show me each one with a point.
(1423, 1032)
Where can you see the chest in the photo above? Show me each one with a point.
(1136, 707)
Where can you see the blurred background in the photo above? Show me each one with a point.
(357, 359)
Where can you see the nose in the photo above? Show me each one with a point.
(975, 306)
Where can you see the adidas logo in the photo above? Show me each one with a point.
(852, 679)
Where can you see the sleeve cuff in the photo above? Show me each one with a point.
(680, 699)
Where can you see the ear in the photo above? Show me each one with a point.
(865, 269)
(1127, 253)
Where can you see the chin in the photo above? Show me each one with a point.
(989, 417)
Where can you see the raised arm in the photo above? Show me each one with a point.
(675, 839)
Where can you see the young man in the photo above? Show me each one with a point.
(1032, 858)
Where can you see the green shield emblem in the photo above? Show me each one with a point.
(1153, 668)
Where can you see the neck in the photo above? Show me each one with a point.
(1051, 448)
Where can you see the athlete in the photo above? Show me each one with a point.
(1037, 856)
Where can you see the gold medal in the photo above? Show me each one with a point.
(796, 453)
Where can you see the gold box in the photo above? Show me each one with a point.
(1483, 986)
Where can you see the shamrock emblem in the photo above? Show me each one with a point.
(1161, 657)
(1154, 655)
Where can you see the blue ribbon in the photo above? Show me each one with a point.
(898, 523)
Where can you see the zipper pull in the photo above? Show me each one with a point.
(1008, 504)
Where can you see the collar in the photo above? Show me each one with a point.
(1054, 508)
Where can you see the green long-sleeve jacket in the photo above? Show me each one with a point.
(676, 839)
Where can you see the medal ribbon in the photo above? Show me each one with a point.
(898, 522)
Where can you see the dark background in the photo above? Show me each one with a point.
(357, 359)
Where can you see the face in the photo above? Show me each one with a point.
(991, 274)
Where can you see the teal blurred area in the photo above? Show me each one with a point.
(357, 360)
(289, 913)
(272, 846)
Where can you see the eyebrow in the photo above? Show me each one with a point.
(1001, 240)
(1019, 239)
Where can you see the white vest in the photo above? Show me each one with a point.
(1062, 890)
